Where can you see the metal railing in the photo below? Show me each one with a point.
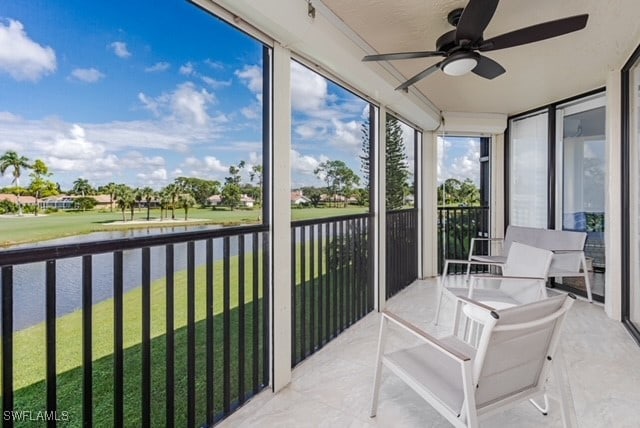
(456, 227)
(402, 250)
(332, 280)
(189, 342)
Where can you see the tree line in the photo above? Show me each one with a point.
(183, 192)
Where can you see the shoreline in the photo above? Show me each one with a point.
(119, 225)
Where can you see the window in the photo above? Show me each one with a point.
(528, 176)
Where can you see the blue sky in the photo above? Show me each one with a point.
(142, 91)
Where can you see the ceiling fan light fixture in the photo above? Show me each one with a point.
(460, 63)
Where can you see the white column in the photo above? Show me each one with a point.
(281, 218)
(497, 186)
(429, 215)
(380, 204)
(613, 200)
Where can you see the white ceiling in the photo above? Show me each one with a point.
(537, 74)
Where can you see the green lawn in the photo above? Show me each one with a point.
(30, 370)
(68, 223)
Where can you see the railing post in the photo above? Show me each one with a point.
(281, 218)
(429, 200)
(380, 211)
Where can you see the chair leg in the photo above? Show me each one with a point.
(544, 410)
(587, 281)
(440, 295)
(378, 372)
(443, 279)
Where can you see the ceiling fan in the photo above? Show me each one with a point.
(460, 47)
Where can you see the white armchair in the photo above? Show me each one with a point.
(524, 272)
(511, 363)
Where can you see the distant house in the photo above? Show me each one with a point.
(58, 202)
(24, 200)
(103, 201)
(246, 201)
(214, 200)
(297, 198)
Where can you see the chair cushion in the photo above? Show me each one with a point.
(434, 372)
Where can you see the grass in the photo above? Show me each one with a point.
(68, 223)
(29, 368)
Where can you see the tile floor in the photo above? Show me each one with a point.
(332, 388)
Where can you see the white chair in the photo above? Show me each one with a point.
(516, 350)
(568, 248)
(524, 276)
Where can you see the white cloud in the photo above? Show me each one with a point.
(307, 131)
(6, 116)
(215, 164)
(21, 57)
(190, 104)
(209, 168)
(459, 160)
(308, 89)
(251, 75)
(159, 174)
(150, 104)
(251, 112)
(187, 69)
(215, 84)
(216, 65)
(185, 103)
(120, 49)
(158, 67)
(347, 134)
(304, 164)
(87, 75)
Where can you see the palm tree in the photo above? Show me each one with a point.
(256, 173)
(186, 201)
(147, 194)
(110, 189)
(82, 187)
(164, 201)
(125, 199)
(12, 160)
(172, 191)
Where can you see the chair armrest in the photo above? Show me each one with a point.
(426, 337)
(472, 245)
(472, 262)
(475, 303)
(528, 278)
(567, 251)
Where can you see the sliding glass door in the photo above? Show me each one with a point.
(631, 194)
(580, 186)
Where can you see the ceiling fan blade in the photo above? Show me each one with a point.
(402, 55)
(475, 18)
(535, 33)
(419, 76)
(488, 68)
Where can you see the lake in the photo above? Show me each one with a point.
(29, 279)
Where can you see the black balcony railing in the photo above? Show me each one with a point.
(332, 280)
(402, 250)
(456, 227)
(185, 328)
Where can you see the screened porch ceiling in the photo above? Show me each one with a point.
(537, 74)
